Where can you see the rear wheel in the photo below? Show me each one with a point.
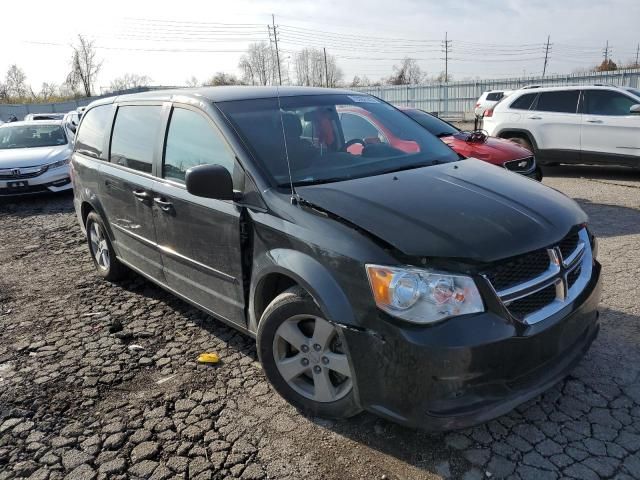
(524, 142)
(102, 253)
(303, 357)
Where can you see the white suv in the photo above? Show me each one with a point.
(572, 124)
(488, 100)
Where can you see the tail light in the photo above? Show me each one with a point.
(488, 112)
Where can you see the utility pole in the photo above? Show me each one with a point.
(447, 48)
(546, 56)
(637, 56)
(275, 38)
(326, 70)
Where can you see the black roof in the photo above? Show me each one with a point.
(227, 93)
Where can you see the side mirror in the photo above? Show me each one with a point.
(72, 127)
(210, 181)
(635, 109)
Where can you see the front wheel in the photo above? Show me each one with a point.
(303, 357)
(538, 173)
(102, 253)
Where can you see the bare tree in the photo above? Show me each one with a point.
(84, 65)
(129, 80)
(259, 65)
(192, 81)
(222, 78)
(407, 73)
(47, 91)
(442, 77)
(310, 69)
(16, 83)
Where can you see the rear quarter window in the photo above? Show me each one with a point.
(91, 135)
(495, 96)
(523, 102)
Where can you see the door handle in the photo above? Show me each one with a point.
(141, 195)
(535, 117)
(595, 121)
(163, 204)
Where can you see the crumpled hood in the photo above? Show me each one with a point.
(465, 210)
(31, 157)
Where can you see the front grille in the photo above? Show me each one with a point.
(537, 284)
(31, 172)
(518, 270)
(569, 244)
(572, 278)
(521, 165)
(532, 303)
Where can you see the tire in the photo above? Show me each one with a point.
(102, 253)
(319, 379)
(524, 142)
(538, 174)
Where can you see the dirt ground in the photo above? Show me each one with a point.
(99, 380)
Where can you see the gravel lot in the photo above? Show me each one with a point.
(99, 380)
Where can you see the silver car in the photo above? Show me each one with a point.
(34, 157)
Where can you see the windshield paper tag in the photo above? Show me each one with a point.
(363, 99)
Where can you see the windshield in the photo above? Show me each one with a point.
(332, 137)
(30, 136)
(436, 126)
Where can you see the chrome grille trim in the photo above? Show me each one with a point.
(22, 172)
(556, 275)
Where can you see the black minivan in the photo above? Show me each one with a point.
(433, 291)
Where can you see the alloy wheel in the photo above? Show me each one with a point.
(99, 246)
(309, 356)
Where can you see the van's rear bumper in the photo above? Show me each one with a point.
(470, 369)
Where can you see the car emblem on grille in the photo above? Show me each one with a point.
(567, 273)
(15, 172)
(555, 254)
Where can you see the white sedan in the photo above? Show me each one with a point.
(34, 158)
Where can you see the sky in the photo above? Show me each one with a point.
(489, 38)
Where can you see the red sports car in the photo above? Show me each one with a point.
(476, 144)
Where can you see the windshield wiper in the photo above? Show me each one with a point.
(319, 181)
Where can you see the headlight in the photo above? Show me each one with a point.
(423, 296)
(61, 163)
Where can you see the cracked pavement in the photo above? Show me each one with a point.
(100, 380)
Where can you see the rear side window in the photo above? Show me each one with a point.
(90, 139)
(134, 138)
(563, 101)
(193, 141)
(523, 102)
(495, 96)
(605, 102)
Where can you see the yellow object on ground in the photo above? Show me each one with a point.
(208, 358)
